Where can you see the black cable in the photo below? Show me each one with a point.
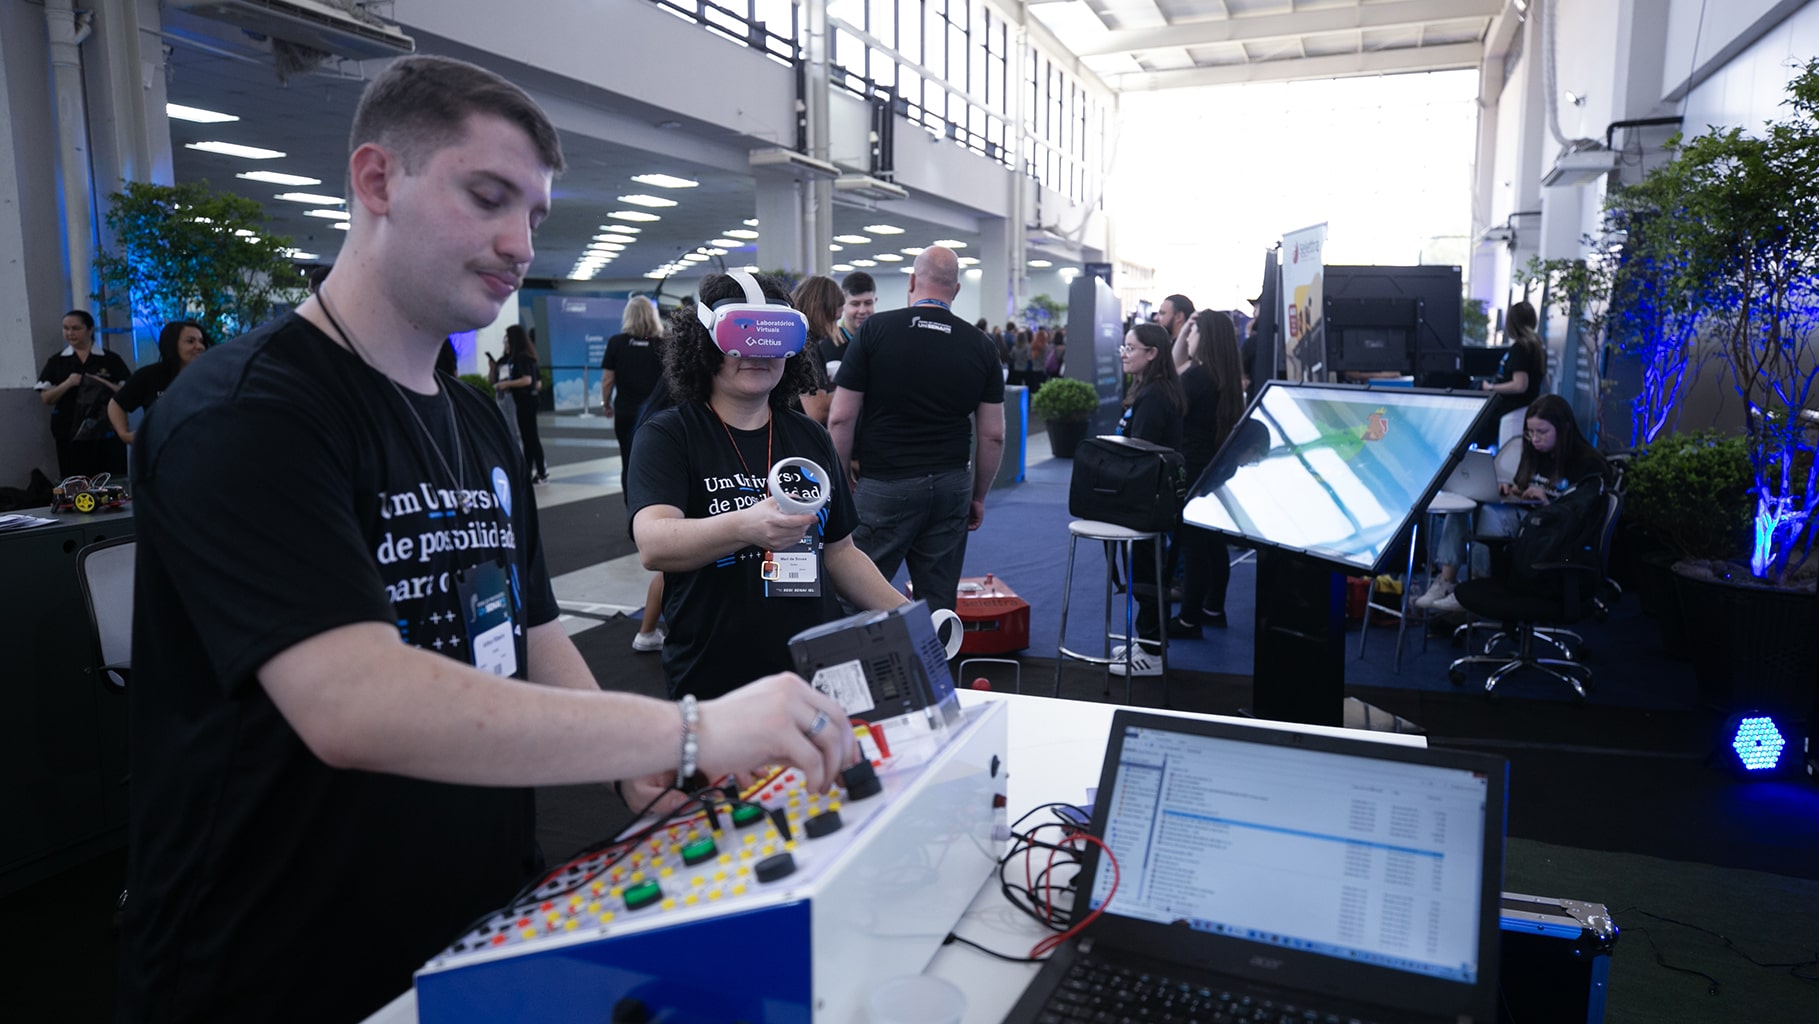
(1793, 966)
(952, 938)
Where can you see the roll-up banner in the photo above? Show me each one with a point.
(1303, 292)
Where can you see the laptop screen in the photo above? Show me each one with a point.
(1367, 857)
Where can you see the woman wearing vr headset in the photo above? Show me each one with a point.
(742, 572)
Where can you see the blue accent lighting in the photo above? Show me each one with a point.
(1758, 742)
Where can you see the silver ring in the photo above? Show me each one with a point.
(815, 727)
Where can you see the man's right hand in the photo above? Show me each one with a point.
(768, 722)
(767, 526)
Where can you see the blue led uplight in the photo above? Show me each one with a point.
(1758, 743)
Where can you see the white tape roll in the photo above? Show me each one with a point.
(955, 636)
(809, 471)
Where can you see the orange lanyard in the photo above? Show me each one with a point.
(770, 436)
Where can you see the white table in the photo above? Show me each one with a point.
(1054, 752)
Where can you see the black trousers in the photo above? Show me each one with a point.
(1207, 570)
(533, 445)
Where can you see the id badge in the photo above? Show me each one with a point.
(486, 608)
(794, 571)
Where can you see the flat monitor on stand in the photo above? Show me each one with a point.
(1321, 479)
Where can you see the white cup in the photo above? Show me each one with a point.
(916, 999)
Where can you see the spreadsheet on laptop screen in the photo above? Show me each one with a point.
(1374, 861)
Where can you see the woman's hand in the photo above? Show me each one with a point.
(767, 526)
(1536, 492)
(110, 385)
(1506, 490)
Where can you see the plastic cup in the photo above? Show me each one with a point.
(916, 999)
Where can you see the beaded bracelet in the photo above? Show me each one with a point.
(691, 749)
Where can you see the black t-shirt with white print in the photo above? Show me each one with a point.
(725, 629)
(286, 489)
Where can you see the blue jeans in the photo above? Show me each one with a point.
(1494, 519)
(921, 519)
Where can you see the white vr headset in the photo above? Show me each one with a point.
(754, 327)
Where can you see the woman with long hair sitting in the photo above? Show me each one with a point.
(1556, 458)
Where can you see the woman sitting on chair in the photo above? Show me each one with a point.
(1556, 458)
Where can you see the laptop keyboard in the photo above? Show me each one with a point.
(1106, 993)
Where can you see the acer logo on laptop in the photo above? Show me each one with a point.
(1268, 963)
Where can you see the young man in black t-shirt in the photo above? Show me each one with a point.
(702, 511)
(906, 389)
(342, 606)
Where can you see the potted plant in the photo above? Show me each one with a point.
(1065, 403)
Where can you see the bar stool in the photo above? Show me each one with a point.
(1113, 537)
(1444, 503)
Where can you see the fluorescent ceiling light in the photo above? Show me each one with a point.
(230, 149)
(245, 233)
(197, 114)
(751, 222)
(884, 229)
(1041, 263)
(339, 225)
(607, 247)
(1069, 271)
(742, 232)
(974, 272)
(950, 243)
(693, 257)
(311, 198)
(297, 254)
(889, 257)
(725, 243)
(852, 239)
(912, 250)
(657, 275)
(715, 252)
(906, 270)
(654, 202)
(831, 247)
(637, 215)
(327, 214)
(275, 178)
(967, 261)
(663, 181)
(625, 229)
(614, 237)
(865, 263)
(751, 268)
(843, 268)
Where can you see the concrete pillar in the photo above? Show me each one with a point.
(819, 209)
(783, 239)
(1001, 265)
(34, 268)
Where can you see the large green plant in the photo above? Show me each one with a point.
(1044, 311)
(189, 252)
(1743, 215)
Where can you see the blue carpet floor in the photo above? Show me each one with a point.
(1024, 541)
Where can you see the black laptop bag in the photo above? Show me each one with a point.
(1129, 483)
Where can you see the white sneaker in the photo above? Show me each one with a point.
(1448, 605)
(1435, 591)
(1143, 663)
(648, 642)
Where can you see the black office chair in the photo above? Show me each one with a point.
(1559, 595)
(105, 571)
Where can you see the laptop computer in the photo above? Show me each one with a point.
(1475, 477)
(1263, 874)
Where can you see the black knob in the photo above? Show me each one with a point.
(772, 868)
(824, 824)
(861, 781)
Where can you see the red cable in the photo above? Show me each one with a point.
(1049, 944)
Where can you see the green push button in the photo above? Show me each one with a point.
(642, 895)
(699, 850)
(745, 815)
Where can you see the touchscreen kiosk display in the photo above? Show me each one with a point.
(1332, 471)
